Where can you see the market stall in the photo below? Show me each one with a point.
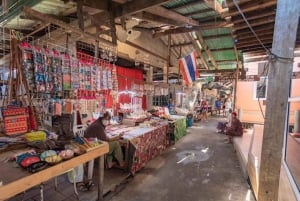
(17, 180)
(180, 126)
(145, 142)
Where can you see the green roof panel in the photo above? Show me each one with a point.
(224, 55)
(212, 32)
(219, 43)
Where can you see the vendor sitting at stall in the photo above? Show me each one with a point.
(97, 130)
(236, 128)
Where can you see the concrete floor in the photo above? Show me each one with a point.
(200, 167)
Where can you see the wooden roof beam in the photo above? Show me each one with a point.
(190, 29)
(254, 47)
(253, 38)
(207, 50)
(254, 24)
(156, 18)
(218, 71)
(251, 8)
(250, 45)
(240, 2)
(46, 18)
(172, 15)
(135, 6)
(181, 44)
(41, 27)
(237, 20)
(258, 30)
(126, 9)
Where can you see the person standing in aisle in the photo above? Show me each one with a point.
(228, 106)
(204, 110)
(218, 105)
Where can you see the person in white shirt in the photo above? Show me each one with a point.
(228, 105)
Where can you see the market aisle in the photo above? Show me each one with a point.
(200, 167)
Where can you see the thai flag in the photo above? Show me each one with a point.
(188, 68)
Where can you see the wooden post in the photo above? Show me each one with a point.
(149, 79)
(236, 76)
(280, 72)
(235, 87)
(101, 178)
(169, 57)
(180, 52)
(80, 15)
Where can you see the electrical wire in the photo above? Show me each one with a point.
(264, 86)
(271, 56)
(256, 36)
(250, 27)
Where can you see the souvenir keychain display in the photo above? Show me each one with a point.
(74, 74)
(66, 70)
(99, 78)
(104, 78)
(57, 72)
(82, 75)
(94, 77)
(47, 58)
(28, 65)
(39, 70)
(87, 77)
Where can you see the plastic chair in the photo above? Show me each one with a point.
(79, 130)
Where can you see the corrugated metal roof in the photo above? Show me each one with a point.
(224, 42)
(206, 14)
(224, 55)
(219, 31)
(175, 3)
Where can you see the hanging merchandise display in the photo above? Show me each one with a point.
(87, 77)
(94, 68)
(57, 72)
(99, 78)
(47, 59)
(104, 79)
(74, 73)
(66, 71)
(39, 70)
(28, 65)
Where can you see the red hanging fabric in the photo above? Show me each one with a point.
(126, 78)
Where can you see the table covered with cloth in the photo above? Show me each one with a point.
(144, 144)
(180, 126)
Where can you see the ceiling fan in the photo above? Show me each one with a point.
(125, 32)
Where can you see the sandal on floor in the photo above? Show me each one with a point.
(90, 185)
(81, 187)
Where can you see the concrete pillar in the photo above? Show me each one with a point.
(149, 97)
(297, 121)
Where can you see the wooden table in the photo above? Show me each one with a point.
(25, 181)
